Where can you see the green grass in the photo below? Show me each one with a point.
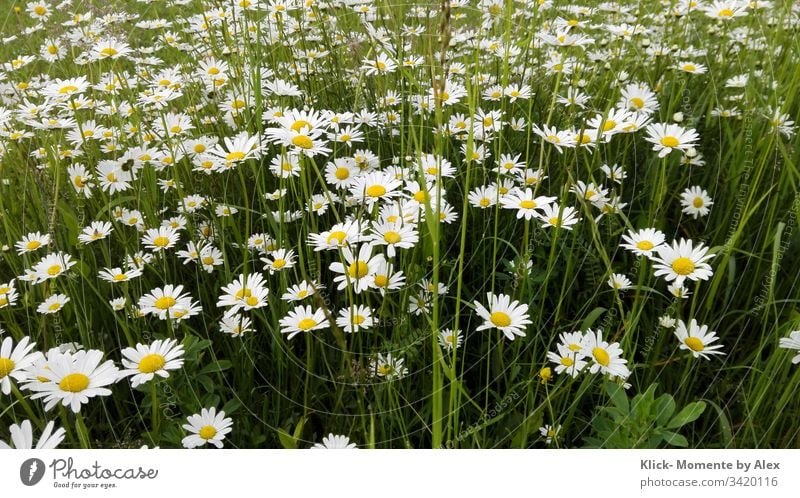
(488, 392)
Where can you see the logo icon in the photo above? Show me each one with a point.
(31, 471)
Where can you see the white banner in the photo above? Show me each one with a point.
(400, 473)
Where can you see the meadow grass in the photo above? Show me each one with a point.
(490, 391)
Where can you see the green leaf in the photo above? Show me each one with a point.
(665, 407)
(592, 317)
(617, 394)
(216, 366)
(690, 413)
(287, 441)
(675, 439)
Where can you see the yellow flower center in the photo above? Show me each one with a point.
(376, 191)
(554, 221)
(342, 173)
(54, 270)
(279, 263)
(34, 244)
(358, 319)
(306, 324)
(74, 383)
(697, 202)
(165, 302)
(644, 245)
(689, 68)
(610, 124)
(358, 269)
(151, 363)
(109, 52)
(207, 432)
(500, 319)
(683, 266)
(392, 237)
(300, 124)
(161, 241)
(601, 356)
(251, 300)
(120, 277)
(567, 361)
(694, 343)
(6, 366)
(303, 142)
(669, 141)
(52, 49)
(527, 204)
(636, 101)
(68, 89)
(54, 307)
(40, 10)
(725, 13)
(484, 202)
(235, 156)
(381, 280)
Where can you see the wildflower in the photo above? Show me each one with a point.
(145, 361)
(334, 442)
(509, 317)
(696, 339)
(206, 427)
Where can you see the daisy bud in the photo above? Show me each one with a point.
(678, 117)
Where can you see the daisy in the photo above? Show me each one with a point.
(206, 427)
(567, 360)
(341, 172)
(667, 137)
(235, 324)
(300, 291)
(643, 242)
(32, 242)
(244, 293)
(792, 342)
(237, 149)
(52, 266)
(14, 361)
(110, 48)
(334, 442)
(696, 339)
(394, 235)
(53, 304)
(303, 319)
(549, 432)
(382, 64)
(8, 294)
(554, 216)
(525, 204)
(509, 317)
(374, 187)
(606, 358)
(619, 281)
(691, 67)
(483, 197)
(97, 230)
(388, 367)
(385, 278)
(22, 437)
(73, 378)
(695, 201)
(355, 318)
(357, 269)
(449, 339)
(117, 275)
(143, 362)
(681, 261)
(161, 238)
(279, 260)
(166, 302)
